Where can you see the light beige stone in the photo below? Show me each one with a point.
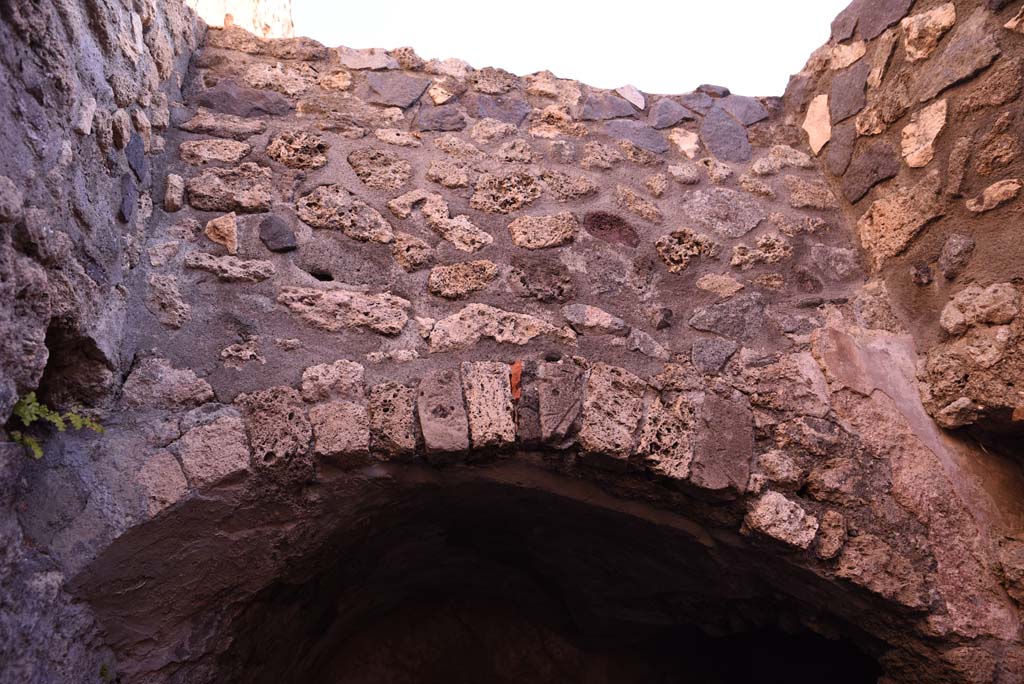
(162, 482)
(174, 193)
(843, 56)
(817, 123)
(341, 379)
(224, 231)
(721, 285)
(922, 32)
(456, 281)
(341, 432)
(995, 195)
(632, 95)
(776, 516)
(666, 440)
(685, 141)
(213, 151)
(920, 134)
(540, 232)
(893, 220)
(215, 452)
(476, 321)
(335, 310)
(612, 409)
(487, 389)
(231, 269)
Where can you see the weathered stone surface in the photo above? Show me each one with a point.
(488, 393)
(230, 98)
(299, 149)
(154, 383)
(847, 96)
(638, 133)
(494, 81)
(369, 58)
(164, 300)
(442, 414)
(539, 232)
(869, 17)
(919, 135)
(892, 221)
(223, 125)
(817, 124)
(724, 136)
(870, 562)
(476, 321)
(746, 110)
(601, 106)
(277, 234)
(586, 319)
(728, 213)
(507, 108)
(560, 395)
(341, 432)
(380, 169)
(448, 173)
(446, 117)
(687, 142)
(395, 89)
(922, 32)
(840, 151)
(411, 253)
(224, 231)
(245, 189)
(956, 254)
(843, 56)
(709, 354)
(995, 305)
(635, 204)
(231, 269)
(460, 231)
(698, 102)
(721, 285)
(214, 451)
(971, 48)
(680, 247)
(741, 317)
(805, 194)
(213, 151)
(335, 310)
(995, 196)
(666, 113)
(161, 479)
(174, 193)
(505, 193)
(780, 518)
(724, 444)
(340, 379)
(392, 412)
(332, 206)
(612, 409)
(457, 281)
(879, 161)
(278, 428)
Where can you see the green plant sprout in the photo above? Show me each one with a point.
(29, 410)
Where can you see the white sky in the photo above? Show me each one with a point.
(750, 46)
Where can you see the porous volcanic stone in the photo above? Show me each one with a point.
(442, 414)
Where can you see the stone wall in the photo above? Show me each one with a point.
(365, 277)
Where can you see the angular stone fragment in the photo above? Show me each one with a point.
(505, 193)
(680, 247)
(776, 516)
(476, 321)
(213, 151)
(332, 206)
(494, 81)
(870, 562)
(456, 281)
(996, 304)
(746, 110)
(129, 199)
(813, 194)
(507, 108)
(971, 48)
(335, 310)
(956, 254)
(728, 213)
(817, 123)
(612, 408)
(724, 444)
(870, 17)
(666, 113)
(560, 396)
(891, 222)
(162, 481)
(687, 142)
(920, 134)
(840, 151)
(831, 534)
(299, 149)
(922, 32)
(392, 410)
(879, 161)
(847, 96)
(460, 231)
(539, 232)
(223, 125)
(602, 106)
(380, 169)
(394, 136)
(164, 300)
(698, 102)
(488, 393)
(666, 440)
(245, 188)
(586, 319)
(279, 430)
(368, 58)
(709, 354)
(724, 136)
(639, 341)
(442, 415)
(684, 175)
(721, 285)
(341, 432)
(842, 56)
(224, 231)
(287, 79)
(231, 269)
(634, 203)
(995, 196)
(155, 383)
(446, 117)
(741, 317)
(340, 379)
(395, 89)
(174, 193)
(638, 133)
(277, 234)
(215, 451)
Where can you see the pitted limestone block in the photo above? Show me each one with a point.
(231, 269)
(486, 130)
(223, 125)
(215, 450)
(564, 187)
(501, 194)
(515, 151)
(892, 221)
(560, 398)
(213, 151)
(634, 203)
(680, 247)
(285, 78)
(411, 253)
(460, 231)
(831, 534)
(392, 409)
(335, 310)
(612, 409)
(770, 248)
(778, 467)
(245, 188)
(341, 433)
(780, 518)
(299, 149)
(656, 184)
(334, 207)
(666, 440)
(486, 386)
(457, 281)
(399, 138)
(717, 172)
(870, 562)
(918, 137)
(340, 379)
(164, 300)
(586, 319)
(448, 173)
(809, 194)
(174, 193)
(923, 31)
(154, 383)
(539, 232)
(476, 321)
(224, 231)
(544, 278)
(442, 414)
(368, 58)
(728, 213)
(276, 422)
(724, 444)
(599, 156)
(494, 81)
(998, 304)
(161, 481)
(380, 169)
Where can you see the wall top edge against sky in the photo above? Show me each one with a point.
(749, 46)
